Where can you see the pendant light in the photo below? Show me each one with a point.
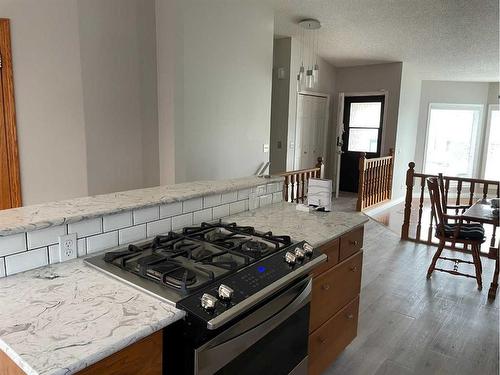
(308, 76)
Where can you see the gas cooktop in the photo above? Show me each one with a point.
(201, 265)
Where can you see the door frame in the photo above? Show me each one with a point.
(9, 112)
(327, 122)
(340, 127)
(486, 138)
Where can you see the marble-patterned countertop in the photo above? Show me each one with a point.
(314, 227)
(45, 215)
(62, 318)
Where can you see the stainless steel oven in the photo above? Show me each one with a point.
(270, 339)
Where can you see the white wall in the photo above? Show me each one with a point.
(446, 92)
(222, 88)
(406, 128)
(48, 94)
(119, 93)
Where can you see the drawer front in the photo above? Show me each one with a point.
(333, 289)
(332, 250)
(329, 340)
(351, 243)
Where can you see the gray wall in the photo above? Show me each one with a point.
(119, 93)
(48, 94)
(222, 94)
(448, 92)
(280, 104)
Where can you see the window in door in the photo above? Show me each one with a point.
(365, 126)
(492, 144)
(452, 137)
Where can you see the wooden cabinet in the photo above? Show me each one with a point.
(335, 300)
(144, 357)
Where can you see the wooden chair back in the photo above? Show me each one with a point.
(437, 203)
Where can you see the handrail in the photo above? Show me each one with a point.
(375, 180)
(453, 188)
(296, 182)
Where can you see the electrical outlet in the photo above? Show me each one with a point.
(68, 247)
(265, 147)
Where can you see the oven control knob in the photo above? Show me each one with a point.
(208, 301)
(300, 253)
(290, 258)
(308, 249)
(225, 292)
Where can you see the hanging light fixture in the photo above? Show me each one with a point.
(309, 38)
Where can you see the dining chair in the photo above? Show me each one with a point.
(468, 234)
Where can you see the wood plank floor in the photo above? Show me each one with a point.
(409, 325)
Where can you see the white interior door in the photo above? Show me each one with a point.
(310, 130)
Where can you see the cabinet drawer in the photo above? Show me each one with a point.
(351, 243)
(333, 289)
(332, 250)
(329, 340)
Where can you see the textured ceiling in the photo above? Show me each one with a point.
(442, 39)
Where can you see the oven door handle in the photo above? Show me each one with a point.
(235, 340)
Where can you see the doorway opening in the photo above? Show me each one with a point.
(363, 124)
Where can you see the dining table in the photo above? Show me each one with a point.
(483, 212)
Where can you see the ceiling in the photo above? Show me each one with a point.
(442, 39)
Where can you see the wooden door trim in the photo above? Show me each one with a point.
(7, 79)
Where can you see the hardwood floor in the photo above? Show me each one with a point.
(409, 325)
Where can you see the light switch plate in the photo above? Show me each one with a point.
(265, 147)
(68, 247)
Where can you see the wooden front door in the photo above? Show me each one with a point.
(10, 193)
(363, 119)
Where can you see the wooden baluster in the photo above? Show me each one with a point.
(420, 207)
(471, 193)
(409, 191)
(303, 179)
(446, 189)
(360, 204)
(292, 188)
(485, 190)
(391, 172)
(285, 190)
(459, 191)
(384, 181)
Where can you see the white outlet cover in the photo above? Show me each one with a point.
(68, 247)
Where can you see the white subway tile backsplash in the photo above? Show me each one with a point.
(132, 234)
(230, 197)
(86, 228)
(2, 267)
(147, 214)
(170, 209)
(54, 254)
(259, 190)
(102, 242)
(272, 188)
(221, 211)
(26, 260)
(192, 205)
(212, 200)
(117, 221)
(243, 194)
(182, 221)
(253, 201)
(82, 247)
(277, 197)
(237, 207)
(158, 227)
(203, 215)
(45, 237)
(12, 244)
(264, 200)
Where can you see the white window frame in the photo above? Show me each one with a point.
(480, 135)
(491, 108)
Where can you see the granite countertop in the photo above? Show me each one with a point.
(314, 227)
(45, 215)
(62, 318)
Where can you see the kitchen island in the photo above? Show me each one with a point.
(63, 318)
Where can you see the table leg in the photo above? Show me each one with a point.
(494, 284)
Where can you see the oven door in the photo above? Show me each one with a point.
(271, 340)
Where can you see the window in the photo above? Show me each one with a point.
(364, 126)
(452, 137)
(492, 144)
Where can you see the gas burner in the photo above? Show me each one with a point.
(255, 246)
(200, 253)
(180, 278)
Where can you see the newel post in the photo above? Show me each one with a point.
(361, 182)
(321, 167)
(391, 171)
(410, 173)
